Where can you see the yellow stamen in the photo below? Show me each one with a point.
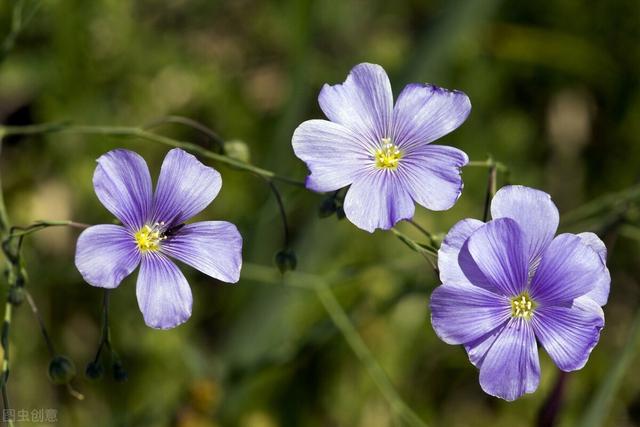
(149, 238)
(522, 306)
(388, 156)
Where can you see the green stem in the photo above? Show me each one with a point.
(4, 340)
(427, 252)
(105, 335)
(5, 403)
(283, 213)
(137, 132)
(12, 253)
(413, 244)
(423, 230)
(342, 322)
(489, 163)
(106, 330)
(17, 231)
(43, 328)
(4, 218)
(185, 121)
(4, 337)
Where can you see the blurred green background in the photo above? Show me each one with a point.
(555, 91)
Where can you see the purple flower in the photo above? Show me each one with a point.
(154, 229)
(383, 151)
(509, 282)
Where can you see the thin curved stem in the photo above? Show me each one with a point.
(45, 334)
(428, 252)
(4, 339)
(136, 132)
(418, 247)
(194, 124)
(5, 403)
(38, 316)
(105, 336)
(8, 307)
(283, 213)
(423, 230)
(18, 231)
(16, 282)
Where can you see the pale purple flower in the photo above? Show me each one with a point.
(383, 151)
(510, 282)
(153, 229)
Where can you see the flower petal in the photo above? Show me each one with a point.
(123, 185)
(533, 210)
(511, 367)
(600, 292)
(363, 103)
(424, 113)
(568, 269)
(333, 154)
(212, 247)
(460, 314)
(568, 334)
(478, 348)
(585, 303)
(448, 265)
(106, 254)
(472, 272)
(432, 175)
(498, 251)
(185, 187)
(163, 293)
(377, 200)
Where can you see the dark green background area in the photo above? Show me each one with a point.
(555, 92)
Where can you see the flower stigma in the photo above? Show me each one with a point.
(388, 156)
(522, 306)
(148, 238)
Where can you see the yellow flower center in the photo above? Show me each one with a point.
(522, 306)
(388, 156)
(149, 238)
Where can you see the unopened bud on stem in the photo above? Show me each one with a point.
(61, 370)
(286, 260)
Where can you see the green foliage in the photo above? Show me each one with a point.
(555, 94)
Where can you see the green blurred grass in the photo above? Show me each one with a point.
(555, 94)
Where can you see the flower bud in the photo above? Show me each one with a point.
(21, 278)
(237, 150)
(328, 207)
(119, 373)
(94, 370)
(286, 260)
(16, 295)
(61, 370)
(437, 238)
